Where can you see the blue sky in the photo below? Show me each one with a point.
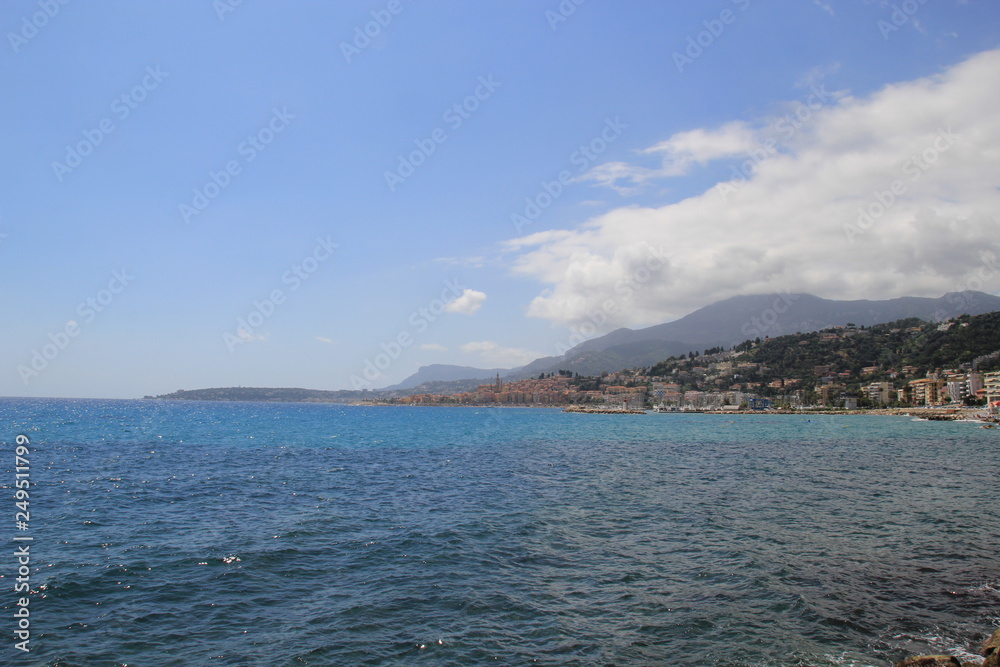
(259, 194)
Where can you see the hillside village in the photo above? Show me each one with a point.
(903, 364)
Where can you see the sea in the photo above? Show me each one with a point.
(183, 533)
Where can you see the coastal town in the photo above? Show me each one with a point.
(633, 389)
(743, 378)
(952, 366)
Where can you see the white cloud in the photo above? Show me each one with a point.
(493, 355)
(324, 339)
(788, 225)
(433, 347)
(611, 175)
(467, 303)
(680, 154)
(686, 149)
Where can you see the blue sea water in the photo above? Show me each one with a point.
(195, 533)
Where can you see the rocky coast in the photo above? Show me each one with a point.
(990, 652)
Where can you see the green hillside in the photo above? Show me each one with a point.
(851, 356)
(890, 347)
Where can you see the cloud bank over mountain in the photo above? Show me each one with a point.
(894, 193)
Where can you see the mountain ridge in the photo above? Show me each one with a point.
(445, 373)
(736, 319)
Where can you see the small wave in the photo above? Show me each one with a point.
(939, 641)
(848, 661)
(987, 587)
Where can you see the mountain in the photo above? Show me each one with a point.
(446, 373)
(732, 321)
(722, 324)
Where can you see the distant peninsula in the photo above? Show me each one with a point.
(281, 395)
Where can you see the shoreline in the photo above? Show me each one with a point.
(929, 413)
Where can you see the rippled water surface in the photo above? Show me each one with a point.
(187, 533)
